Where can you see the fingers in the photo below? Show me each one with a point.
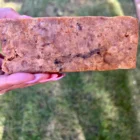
(22, 80)
(38, 79)
(19, 80)
(7, 81)
(53, 77)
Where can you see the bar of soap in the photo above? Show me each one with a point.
(68, 44)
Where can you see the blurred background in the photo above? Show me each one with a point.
(82, 106)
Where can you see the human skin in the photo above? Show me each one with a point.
(21, 80)
(137, 5)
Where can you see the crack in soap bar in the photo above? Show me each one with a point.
(68, 44)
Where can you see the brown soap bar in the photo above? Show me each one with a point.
(68, 44)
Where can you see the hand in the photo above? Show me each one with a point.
(21, 80)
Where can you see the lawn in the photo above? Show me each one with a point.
(82, 106)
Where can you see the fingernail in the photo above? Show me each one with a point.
(59, 77)
(37, 77)
(55, 77)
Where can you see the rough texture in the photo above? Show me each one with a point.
(69, 44)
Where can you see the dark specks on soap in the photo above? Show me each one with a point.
(78, 55)
(79, 26)
(46, 44)
(60, 69)
(98, 52)
(56, 61)
(87, 55)
(126, 35)
(4, 41)
(16, 55)
(68, 58)
(10, 59)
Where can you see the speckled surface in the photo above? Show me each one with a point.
(69, 44)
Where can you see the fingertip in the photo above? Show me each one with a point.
(58, 77)
(54, 77)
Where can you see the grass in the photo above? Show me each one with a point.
(82, 106)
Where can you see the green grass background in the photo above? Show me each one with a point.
(82, 106)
